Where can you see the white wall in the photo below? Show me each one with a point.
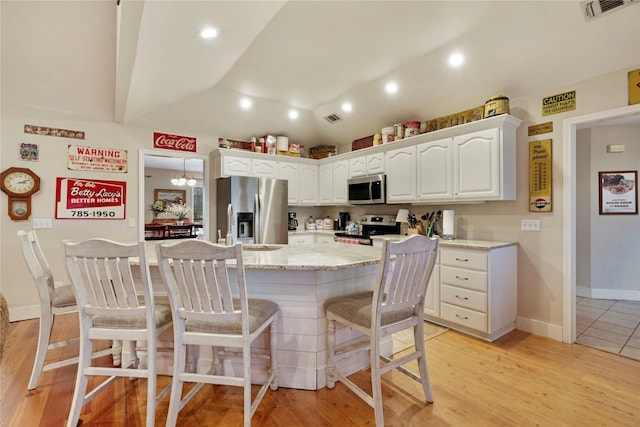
(16, 283)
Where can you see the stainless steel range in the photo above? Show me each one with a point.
(371, 225)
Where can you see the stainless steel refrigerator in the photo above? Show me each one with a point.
(253, 210)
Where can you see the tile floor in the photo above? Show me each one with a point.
(609, 325)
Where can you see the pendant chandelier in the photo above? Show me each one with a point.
(184, 179)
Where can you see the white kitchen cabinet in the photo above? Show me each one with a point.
(367, 164)
(477, 166)
(264, 168)
(478, 290)
(325, 184)
(332, 185)
(434, 170)
(300, 239)
(401, 175)
(340, 176)
(308, 184)
(291, 172)
(227, 162)
(432, 298)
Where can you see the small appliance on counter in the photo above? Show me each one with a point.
(293, 222)
(343, 219)
(372, 225)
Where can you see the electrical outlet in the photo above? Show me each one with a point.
(42, 223)
(530, 225)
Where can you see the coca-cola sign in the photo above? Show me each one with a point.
(174, 142)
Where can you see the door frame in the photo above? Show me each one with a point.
(570, 128)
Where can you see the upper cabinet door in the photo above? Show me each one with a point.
(401, 175)
(375, 163)
(476, 157)
(291, 172)
(264, 168)
(435, 170)
(236, 166)
(340, 176)
(308, 184)
(357, 166)
(325, 184)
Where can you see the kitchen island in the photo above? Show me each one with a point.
(299, 278)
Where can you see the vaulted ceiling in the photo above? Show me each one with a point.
(143, 62)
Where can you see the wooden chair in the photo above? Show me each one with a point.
(53, 301)
(207, 313)
(395, 304)
(110, 307)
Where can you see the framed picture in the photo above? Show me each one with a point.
(168, 196)
(618, 192)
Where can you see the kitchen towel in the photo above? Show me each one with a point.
(447, 223)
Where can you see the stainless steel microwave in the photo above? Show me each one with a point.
(368, 190)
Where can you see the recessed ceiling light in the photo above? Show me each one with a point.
(391, 87)
(293, 114)
(209, 33)
(346, 106)
(245, 103)
(456, 59)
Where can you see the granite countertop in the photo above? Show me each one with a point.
(456, 243)
(309, 257)
(324, 256)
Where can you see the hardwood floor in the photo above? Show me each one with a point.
(519, 380)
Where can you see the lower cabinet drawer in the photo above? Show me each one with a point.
(470, 279)
(464, 297)
(463, 316)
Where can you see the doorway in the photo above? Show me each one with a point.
(623, 115)
(157, 169)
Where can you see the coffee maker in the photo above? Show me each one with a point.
(343, 219)
(293, 222)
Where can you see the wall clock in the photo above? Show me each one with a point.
(19, 184)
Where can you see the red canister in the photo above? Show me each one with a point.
(411, 129)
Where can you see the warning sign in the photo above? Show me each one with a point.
(559, 103)
(634, 87)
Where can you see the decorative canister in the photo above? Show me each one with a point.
(412, 129)
(387, 134)
(282, 143)
(496, 105)
(398, 131)
(377, 139)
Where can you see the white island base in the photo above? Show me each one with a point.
(299, 278)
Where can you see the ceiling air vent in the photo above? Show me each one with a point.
(597, 8)
(332, 118)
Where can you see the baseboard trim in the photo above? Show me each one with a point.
(539, 328)
(617, 294)
(23, 313)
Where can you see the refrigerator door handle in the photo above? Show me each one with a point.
(256, 219)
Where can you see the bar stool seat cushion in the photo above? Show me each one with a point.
(162, 314)
(260, 311)
(63, 296)
(356, 308)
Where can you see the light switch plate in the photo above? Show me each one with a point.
(132, 222)
(42, 223)
(530, 225)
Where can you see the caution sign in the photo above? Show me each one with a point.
(559, 103)
(540, 176)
